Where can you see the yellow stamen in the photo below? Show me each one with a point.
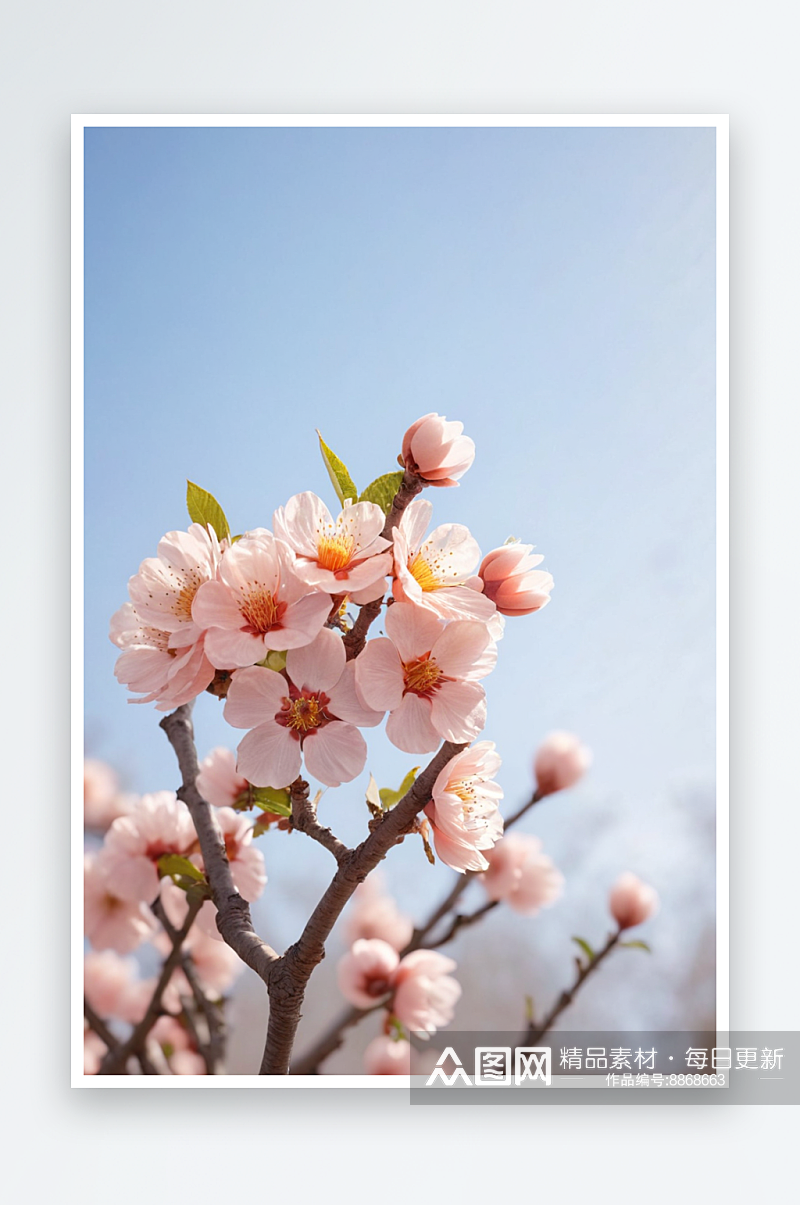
(335, 552)
(303, 715)
(422, 573)
(260, 610)
(422, 676)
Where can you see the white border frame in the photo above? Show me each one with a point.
(79, 123)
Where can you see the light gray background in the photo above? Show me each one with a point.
(374, 57)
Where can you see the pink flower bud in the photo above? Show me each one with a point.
(436, 450)
(512, 581)
(521, 875)
(561, 761)
(632, 902)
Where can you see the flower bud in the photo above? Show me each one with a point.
(512, 581)
(632, 902)
(521, 875)
(561, 761)
(436, 450)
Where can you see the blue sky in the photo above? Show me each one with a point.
(551, 288)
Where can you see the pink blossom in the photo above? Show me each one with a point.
(512, 581)
(366, 973)
(521, 875)
(437, 573)
(632, 902)
(436, 451)
(343, 556)
(157, 663)
(218, 781)
(177, 1047)
(425, 995)
(561, 761)
(385, 1056)
(102, 800)
(312, 711)
(165, 587)
(94, 1051)
(160, 824)
(110, 986)
(110, 922)
(373, 913)
(257, 604)
(425, 675)
(463, 811)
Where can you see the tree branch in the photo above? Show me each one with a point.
(116, 1060)
(290, 976)
(233, 913)
(537, 1031)
(304, 819)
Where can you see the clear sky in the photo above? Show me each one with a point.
(551, 288)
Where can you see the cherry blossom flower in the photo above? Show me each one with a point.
(366, 973)
(102, 799)
(343, 556)
(463, 811)
(110, 986)
(160, 824)
(437, 572)
(312, 711)
(257, 604)
(425, 675)
(218, 781)
(165, 587)
(425, 995)
(632, 902)
(373, 913)
(110, 922)
(512, 581)
(385, 1056)
(436, 450)
(521, 875)
(155, 662)
(561, 761)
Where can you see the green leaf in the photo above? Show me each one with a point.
(636, 945)
(390, 798)
(272, 801)
(341, 480)
(204, 508)
(176, 864)
(587, 949)
(382, 491)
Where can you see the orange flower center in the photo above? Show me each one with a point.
(423, 676)
(261, 612)
(185, 597)
(335, 552)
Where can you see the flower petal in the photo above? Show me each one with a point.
(379, 675)
(346, 705)
(458, 710)
(254, 696)
(335, 754)
(409, 727)
(318, 665)
(413, 630)
(269, 756)
(459, 647)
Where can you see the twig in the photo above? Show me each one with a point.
(304, 819)
(356, 638)
(461, 922)
(115, 1060)
(233, 912)
(537, 1031)
(290, 976)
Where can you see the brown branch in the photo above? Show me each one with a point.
(356, 638)
(115, 1060)
(304, 819)
(233, 912)
(290, 976)
(421, 939)
(536, 1032)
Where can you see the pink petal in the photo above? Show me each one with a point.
(414, 523)
(409, 727)
(335, 754)
(346, 705)
(269, 756)
(254, 696)
(305, 517)
(379, 674)
(459, 647)
(301, 622)
(214, 606)
(227, 649)
(458, 710)
(318, 665)
(413, 630)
